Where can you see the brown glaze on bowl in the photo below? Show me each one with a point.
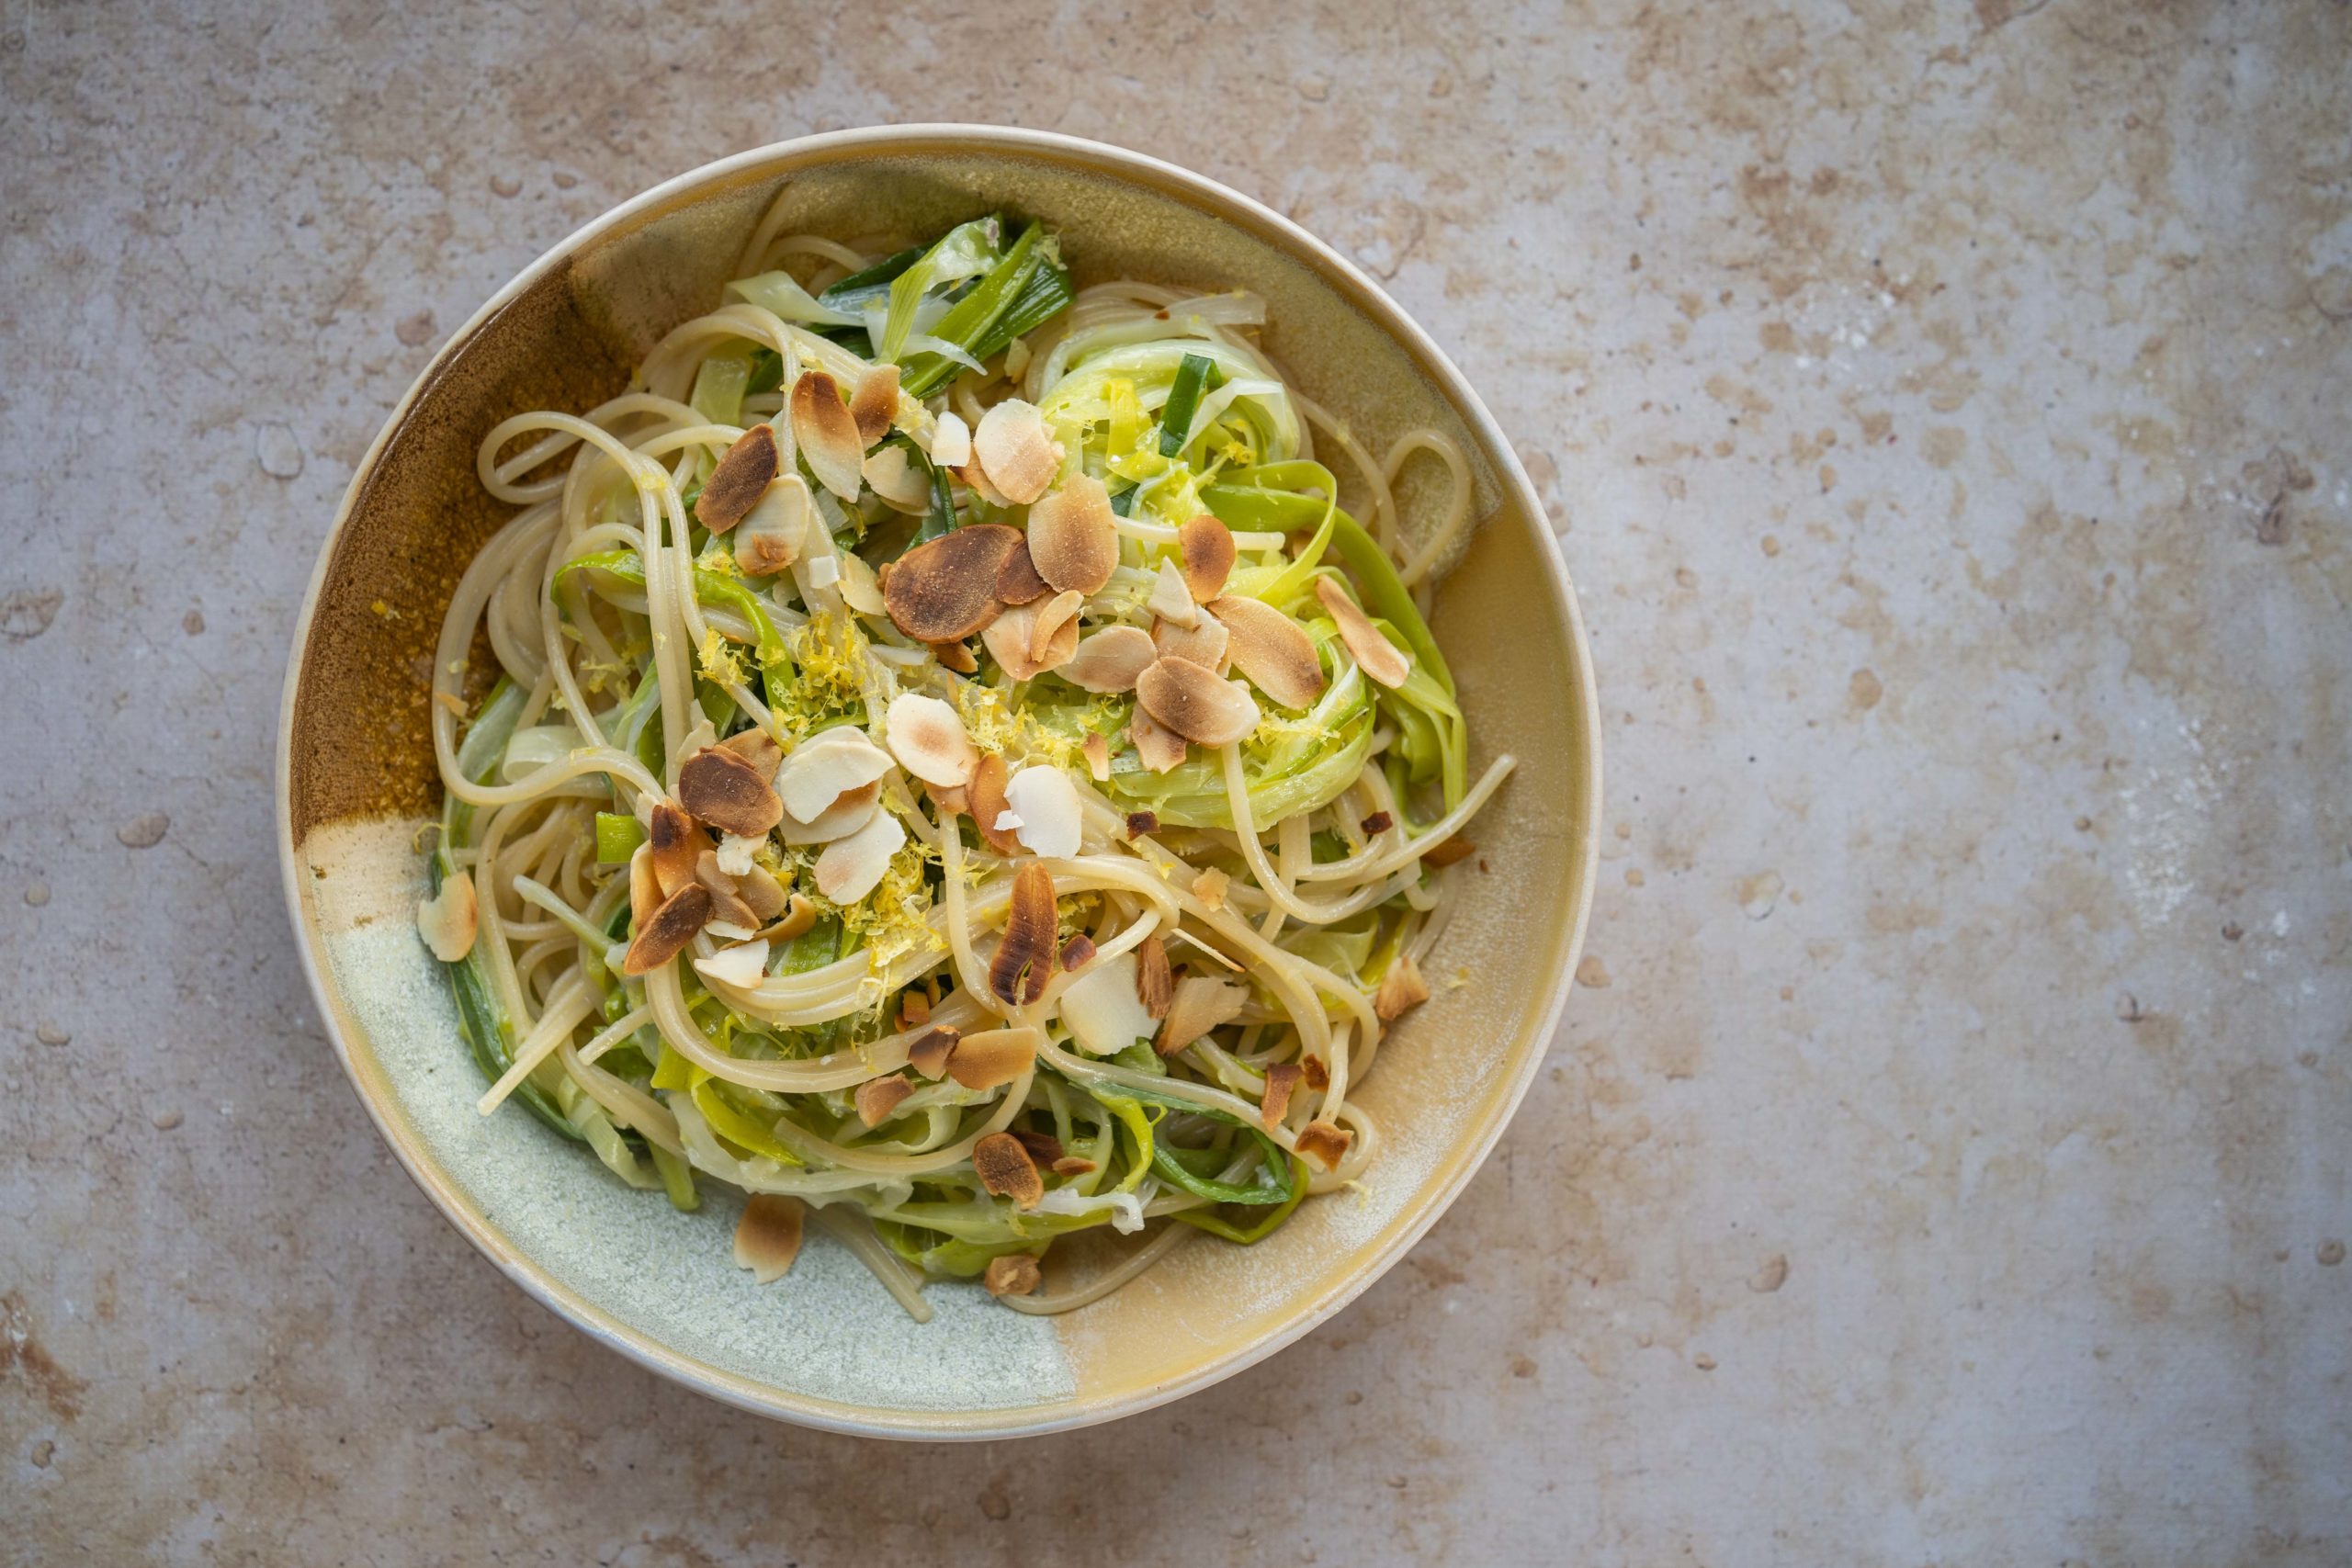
(355, 777)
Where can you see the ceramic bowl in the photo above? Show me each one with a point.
(826, 1348)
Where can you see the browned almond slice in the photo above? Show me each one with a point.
(767, 1238)
(1379, 657)
(1207, 643)
(1379, 822)
(877, 1098)
(1071, 1164)
(1014, 450)
(677, 843)
(828, 436)
(987, 790)
(721, 789)
(1206, 546)
(897, 481)
(776, 530)
(1012, 641)
(644, 886)
(955, 656)
(739, 480)
(1155, 982)
(1015, 1274)
(1076, 951)
(945, 591)
(914, 1008)
(978, 483)
(1159, 749)
(448, 920)
(929, 740)
(1319, 1077)
(1199, 1005)
(672, 926)
(1072, 537)
(1142, 825)
(1448, 852)
(726, 903)
(955, 802)
(1053, 615)
(1210, 885)
(1271, 650)
(993, 1057)
(1281, 1078)
(762, 892)
(929, 1055)
(1006, 1169)
(758, 748)
(1322, 1145)
(1110, 659)
(1044, 1147)
(1195, 703)
(1400, 989)
(1097, 751)
(1017, 974)
(875, 402)
(1017, 582)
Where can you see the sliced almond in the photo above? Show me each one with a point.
(1073, 538)
(1282, 1080)
(1170, 599)
(760, 891)
(1379, 657)
(1016, 451)
(1104, 1012)
(945, 591)
(914, 1008)
(828, 437)
(874, 403)
(929, 741)
(848, 813)
(1210, 885)
(1319, 1077)
(929, 1055)
(744, 966)
(1199, 1004)
(1322, 1145)
(1012, 640)
(850, 868)
(993, 1058)
(1071, 1164)
(767, 1238)
(448, 919)
(644, 886)
(1155, 982)
(878, 1098)
(1053, 615)
(1044, 1147)
(1018, 972)
(1097, 751)
(672, 926)
(1015, 1274)
(676, 843)
(861, 589)
(1271, 650)
(721, 789)
(951, 441)
(726, 904)
(1143, 825)
(1046, 803)
(741, 477)
(1206, 546)
(1017, 582)
(823, 767)
(1195, 703)
(1110, 659)
(758, 748)
(776, 530)
(1400, 989)
(1006, 1169)
(897, 481)
(1159, 748)
(1078, 952)
(798, 916)
(1206, 643)
(987, 791)
(955, 656)
(978, 483)
(951, 802)
(1448, 852)
(1379, 822)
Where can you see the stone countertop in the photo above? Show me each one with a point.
(1943, 411)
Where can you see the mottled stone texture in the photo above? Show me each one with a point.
(1944, 411)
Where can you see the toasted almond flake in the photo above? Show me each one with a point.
(1379, 657)
(1013, 1274)
(1055, 614)
(850, 810)
(739, 480)
(1071, 1164)
(875, 402)
(1155, 982)
(1195, 703)
(644, 886)
(828, 437)
(758, 748)
(929, 740)
(448, 919)
(1206, 643)
(1097, 751)
(1319, 1077)
(1209, 887)
(1110, 659)
(993, 1058)
(1400, 989)
(929, 1055)
(1048, 804)
(1281, 1079)
(1044, 1147)
(742, 965)
(1448, 852)
(1017, 582)
(951, 441)
(951, 802)
(729, 933)
(1198, 1005)
(760, 891)
(1142, 824)
(735, 851)
(1018, 972)
(1074, 536)
(1159, 748)
(677, 843)
(727, 906)
(776, 530)
(721, 789)
(1322, 1145)
(850, 868)
(1379, 822)
(1011, 640)
(878, 1098)
(914, 1008)
(1016, 452)
(1206, 546)
(823, 767)
(1104, 1008)
(1170, 599)
(1006, 1169)
(945, 591)
(860, 589)
(955, 656)
(1078, 951)
(978, 483)
(897, 481)
(1271, 650)
(767, 1238)
(987, 791)
(672, 926)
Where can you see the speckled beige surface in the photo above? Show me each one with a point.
(1945, 1158)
